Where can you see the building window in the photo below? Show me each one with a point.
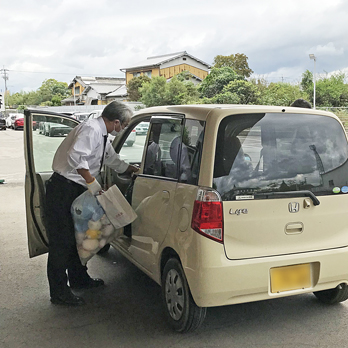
(136, 74)
(77, 90)
(148, 73)
(184, 58)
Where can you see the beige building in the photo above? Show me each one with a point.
(92, 90)
(168, 65)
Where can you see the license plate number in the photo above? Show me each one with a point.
(290, 278)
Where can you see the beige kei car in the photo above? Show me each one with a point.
(235, 203)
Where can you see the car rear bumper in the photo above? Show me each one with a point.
(218, 281)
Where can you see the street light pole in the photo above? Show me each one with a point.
(312, 56)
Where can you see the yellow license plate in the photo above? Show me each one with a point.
(290, 278)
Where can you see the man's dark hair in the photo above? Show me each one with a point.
(301, 103)
(117, 111)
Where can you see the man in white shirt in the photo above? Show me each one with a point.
(77, 162)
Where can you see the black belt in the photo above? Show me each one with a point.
(59, 177)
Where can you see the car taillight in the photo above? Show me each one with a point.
(207, 216)
(133, 131)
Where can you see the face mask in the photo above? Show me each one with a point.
(115, 133)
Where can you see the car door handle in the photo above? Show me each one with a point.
(294, 228)
(165, 196)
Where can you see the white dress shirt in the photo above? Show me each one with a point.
(83, 149)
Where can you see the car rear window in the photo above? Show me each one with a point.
(265, 153)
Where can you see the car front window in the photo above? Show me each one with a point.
(264, 153)
(163, 149)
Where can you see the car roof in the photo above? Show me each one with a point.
(202, 112)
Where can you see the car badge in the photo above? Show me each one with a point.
(294, 207)
(238, 211)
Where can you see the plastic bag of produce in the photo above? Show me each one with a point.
(93, 228)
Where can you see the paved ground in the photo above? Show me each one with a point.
(127, 312)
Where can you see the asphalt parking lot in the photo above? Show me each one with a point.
(127, 312)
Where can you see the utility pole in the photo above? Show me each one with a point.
(4, 74)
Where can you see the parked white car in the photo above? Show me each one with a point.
(142, 128)
(80, 116)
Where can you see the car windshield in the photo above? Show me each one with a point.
(258, 154)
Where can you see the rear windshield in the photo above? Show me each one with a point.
(264, 153)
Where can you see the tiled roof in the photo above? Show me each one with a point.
(88, 80)
(119, 92)
(158, 60)
(102, 88)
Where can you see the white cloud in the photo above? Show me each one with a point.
(328, 49)
(67, 38)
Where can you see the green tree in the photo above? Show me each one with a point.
(222, 98)
(51, 92)
(307, 82)
(330, 91)
(238, 62)
(282, 94)
(133, 87)
(175, 92)
(215, 82)
(52, 88)
(15, 99)
(153, 92)
(32, 98)
(246, 91)
(180, 92)
(184, 76)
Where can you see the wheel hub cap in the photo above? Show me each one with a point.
(175, 297)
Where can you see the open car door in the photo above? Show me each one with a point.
(43, 133)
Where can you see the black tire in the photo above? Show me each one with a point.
(104, 249)
(182, 313)
(332, 296)
(51, 134)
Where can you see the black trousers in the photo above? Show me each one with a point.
(63, 261)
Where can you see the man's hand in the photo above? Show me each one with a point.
(131, 169)
(94, 187)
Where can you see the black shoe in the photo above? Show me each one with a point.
(90, 284)
(68, 300)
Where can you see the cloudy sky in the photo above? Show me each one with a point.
(41, 39)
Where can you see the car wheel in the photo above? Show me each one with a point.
(104, 249)
(332, 296)
(51, 133)
(182, 313)
(130, 143)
